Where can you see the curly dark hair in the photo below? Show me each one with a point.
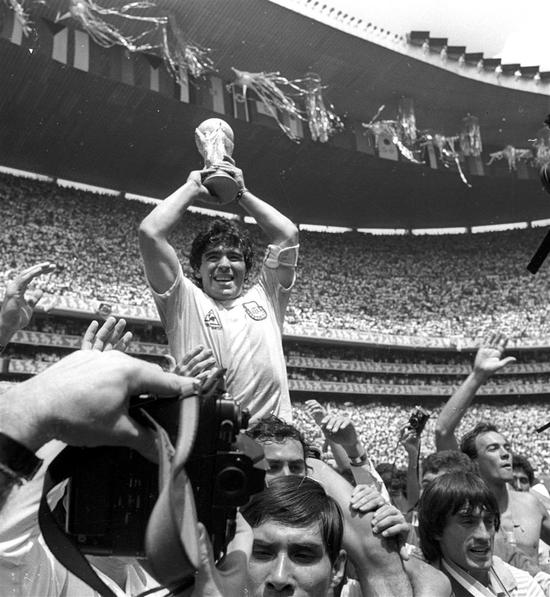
(519, 461)
(271, 428)
(220, 231)
(448, 461)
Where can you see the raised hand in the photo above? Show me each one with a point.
(489, 359)
(18, 304)
(316, 411)
(199, 362)
(340, 430)
(110, 336)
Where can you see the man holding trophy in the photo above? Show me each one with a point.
(240, 331)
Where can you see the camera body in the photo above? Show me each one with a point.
(112, 492)
(418, 419)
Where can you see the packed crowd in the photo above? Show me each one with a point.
(422, 286)
(225, 340)
(379, 425)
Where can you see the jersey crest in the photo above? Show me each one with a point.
(255, 311)
(211, 320)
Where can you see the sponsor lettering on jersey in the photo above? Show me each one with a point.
(211, 320)
(255, 311)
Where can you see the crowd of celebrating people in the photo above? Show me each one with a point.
(389, 487)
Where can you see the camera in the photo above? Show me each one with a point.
(418, 419)
(112, 491)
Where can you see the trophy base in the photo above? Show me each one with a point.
(222, 188)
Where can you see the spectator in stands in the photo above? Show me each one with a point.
(458, 517)
(243, 331)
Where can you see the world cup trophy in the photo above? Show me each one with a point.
(214, 140)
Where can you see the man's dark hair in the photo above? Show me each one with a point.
(448, 461)
(273, 429)
(521, 462)
(444, 497)
(298, 502)
(220, 231)
(468, 441)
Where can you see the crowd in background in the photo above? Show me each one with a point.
(405, 285)
(379, 424)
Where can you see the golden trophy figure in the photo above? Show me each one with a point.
(214, 140)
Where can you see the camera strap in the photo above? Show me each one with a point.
(59, 543)
(61, 546)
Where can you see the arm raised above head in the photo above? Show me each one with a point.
(376, 559)
(159, 256)
(487, 362)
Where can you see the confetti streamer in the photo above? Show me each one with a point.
(278, 94)
(322, 122)
(512, 156)
(395, 130)
(449, 155)
(470, 136)
(21, 15)
(267, 86)
(160, 35)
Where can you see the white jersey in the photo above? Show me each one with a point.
(244, 335)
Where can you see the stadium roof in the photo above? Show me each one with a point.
(64, 122)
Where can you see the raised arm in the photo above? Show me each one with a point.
(488, 361)
(376, 559)
(278, 228)
(19, 303)
(159, 256)
(411, 442)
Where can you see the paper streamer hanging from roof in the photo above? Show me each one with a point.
(407, 120)
(322, 122)
(394, 130)
(448, 154)
(470, 136)
(160, 34)
(21, 15)
(512, 155)
(542, 144)
(279, 95)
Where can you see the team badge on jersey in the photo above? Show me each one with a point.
(211, 320)
(255, 311)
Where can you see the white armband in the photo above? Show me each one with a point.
(276, 256)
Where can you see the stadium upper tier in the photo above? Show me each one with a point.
(419, 289)
(72, 109)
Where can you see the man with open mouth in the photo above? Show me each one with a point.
(458, 517)
(211, 320)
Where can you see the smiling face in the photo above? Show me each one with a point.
(468, 539)
(290, 561)
(493, 457)
(222, 272)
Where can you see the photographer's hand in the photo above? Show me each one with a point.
(83, 400)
